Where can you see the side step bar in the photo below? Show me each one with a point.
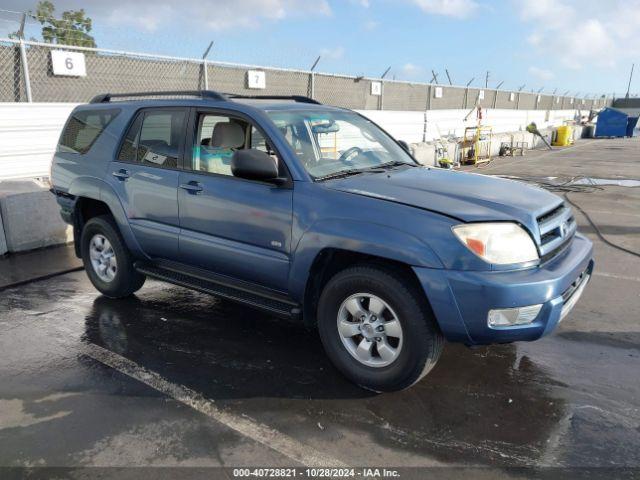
(279, 307)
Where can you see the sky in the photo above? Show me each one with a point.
(580, 46)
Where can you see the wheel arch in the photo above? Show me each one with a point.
(330, 261)
(94, 197)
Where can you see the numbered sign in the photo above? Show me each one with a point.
(438, 92)
(512, 97)
(256, 79)
(70, 64)
(376, 88)
(481, 95)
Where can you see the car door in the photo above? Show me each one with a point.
(232, 226)
(145, 176)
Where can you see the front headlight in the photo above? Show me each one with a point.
(499, 243)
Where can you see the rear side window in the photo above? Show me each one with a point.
(83, 128)
(155, 138)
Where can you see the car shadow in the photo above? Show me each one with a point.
(490, 404)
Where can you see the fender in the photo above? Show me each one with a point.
(360, 237)
(96, 189)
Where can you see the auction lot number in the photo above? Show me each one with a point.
(315, 473)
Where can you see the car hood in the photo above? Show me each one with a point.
(468, 197)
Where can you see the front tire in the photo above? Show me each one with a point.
(107, 260)
(377, 329)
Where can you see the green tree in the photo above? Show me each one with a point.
(71, 29)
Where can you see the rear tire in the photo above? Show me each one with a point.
(107, 260)
(395, 340)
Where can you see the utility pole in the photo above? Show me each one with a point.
(630, 77)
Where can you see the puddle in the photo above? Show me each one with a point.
(564, 181)
(606, 181)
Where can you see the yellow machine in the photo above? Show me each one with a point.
(475, 147)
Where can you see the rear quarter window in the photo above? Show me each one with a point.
(83, 128)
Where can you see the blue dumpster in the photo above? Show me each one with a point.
(613, 123)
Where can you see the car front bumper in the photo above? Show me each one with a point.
(461, 300)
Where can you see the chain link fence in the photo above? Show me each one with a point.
(27, 74)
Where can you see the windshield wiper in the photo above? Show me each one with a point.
(397, 163)
(356, 171)
(343, 173)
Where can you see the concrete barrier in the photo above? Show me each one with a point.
(30, 217)
(3, 240)
(425, 152)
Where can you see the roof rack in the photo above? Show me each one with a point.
(295, 98)
(205, 94)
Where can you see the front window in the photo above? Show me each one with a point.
(332, 143)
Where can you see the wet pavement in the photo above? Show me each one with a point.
(172, 377)
(20, 268)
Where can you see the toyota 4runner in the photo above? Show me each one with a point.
(314, 212)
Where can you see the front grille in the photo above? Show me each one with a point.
(557, 228)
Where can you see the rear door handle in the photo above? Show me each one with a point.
(192, 187)
(121, 174)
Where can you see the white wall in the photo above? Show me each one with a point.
(410, 126)
(28, 137)
(29, 132)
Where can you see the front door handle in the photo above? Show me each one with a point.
(121, 174)
(192, 187)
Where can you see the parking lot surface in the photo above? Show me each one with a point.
(176, 378)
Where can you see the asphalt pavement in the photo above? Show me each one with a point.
(174, 378)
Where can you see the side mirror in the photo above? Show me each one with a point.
(404, 145)
(254, 164)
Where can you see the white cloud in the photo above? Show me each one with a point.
(151, 15)
(449, 8)
(541, 73)
(371, 25)
(332, 53)
(411, 71)
(410, 68)
(581, 34)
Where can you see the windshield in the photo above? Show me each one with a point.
(334, 142)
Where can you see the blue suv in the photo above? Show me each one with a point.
(314, 212)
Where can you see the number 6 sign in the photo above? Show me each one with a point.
(70, 64)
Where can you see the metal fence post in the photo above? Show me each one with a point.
(206, 74)
(23, 58)
(312, 81)
(381, 101)
(25, 70)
